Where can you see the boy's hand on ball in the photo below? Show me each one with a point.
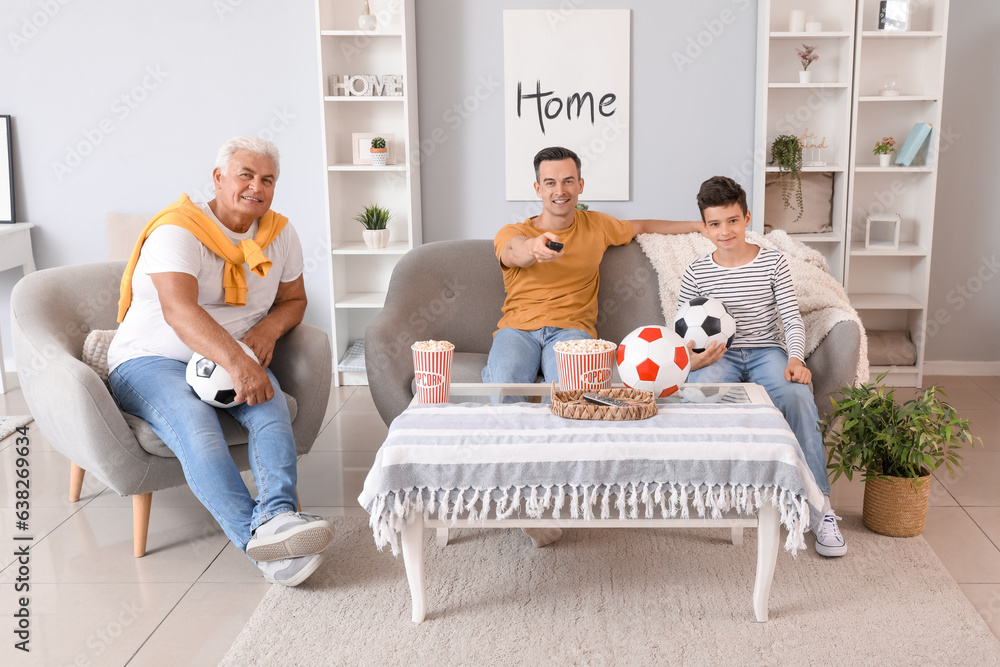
(710, 355)
(796, 371)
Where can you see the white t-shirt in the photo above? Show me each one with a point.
(170, 248)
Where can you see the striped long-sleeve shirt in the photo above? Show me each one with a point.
(755, 294)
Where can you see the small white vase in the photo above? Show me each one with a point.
(885, 160)
(805, 76)
(379, 159)
(376, 238)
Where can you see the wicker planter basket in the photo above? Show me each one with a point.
(894, 507)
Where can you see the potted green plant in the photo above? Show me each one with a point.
(807, 58)
(374, 219)
(379, 152)
(883, 149)
(786, 152)
(896, 447)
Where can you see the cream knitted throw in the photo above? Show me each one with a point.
(822, 300)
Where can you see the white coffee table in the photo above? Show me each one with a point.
(766, 520)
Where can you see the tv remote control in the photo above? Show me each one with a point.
(606, 400)
(555, 245)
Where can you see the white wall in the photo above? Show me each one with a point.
(965, 265)
(192, 76)
(224, 73)
(684, 131)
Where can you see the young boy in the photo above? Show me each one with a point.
(756, 286)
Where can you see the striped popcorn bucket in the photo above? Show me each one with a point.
(589, 371)
(432, 369)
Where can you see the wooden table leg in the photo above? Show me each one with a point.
(413, 560)
(768, 532)
(442, 537)
(737, 536)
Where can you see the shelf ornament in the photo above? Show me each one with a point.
(366, 85)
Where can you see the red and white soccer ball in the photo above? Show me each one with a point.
(704, 321)
(653, 359)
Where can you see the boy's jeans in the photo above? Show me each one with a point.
(516, 356)
(154, 389)
(766, 366)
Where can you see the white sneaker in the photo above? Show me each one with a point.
(829, 541)
(290, 571)
(290, 535)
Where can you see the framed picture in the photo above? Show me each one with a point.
(362, 142)
(6, 173)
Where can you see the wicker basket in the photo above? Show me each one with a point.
(895, 507)
(572, 405)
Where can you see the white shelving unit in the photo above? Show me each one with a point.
(888, 286)
(359, 276)
(823, 106)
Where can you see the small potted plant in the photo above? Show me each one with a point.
(883, 149)
(896, 447)
(374, 218)
(786, 152)
(806, 57)
(379, 152)
(582, 207)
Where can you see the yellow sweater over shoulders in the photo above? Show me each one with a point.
(183, 213)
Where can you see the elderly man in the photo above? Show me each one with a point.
(185, 290)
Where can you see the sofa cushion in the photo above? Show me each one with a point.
(817, 203)
(122, 231)
(232, 430)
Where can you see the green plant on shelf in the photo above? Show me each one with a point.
(786, 152)
(378, 142)
(373, 217)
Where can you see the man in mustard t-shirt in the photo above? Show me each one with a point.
(552, 294)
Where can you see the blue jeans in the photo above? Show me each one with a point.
(517, 356)
(766, 366)
(154, 389)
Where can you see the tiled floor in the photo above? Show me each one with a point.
(92, 603)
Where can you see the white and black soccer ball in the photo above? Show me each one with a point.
(653, 359)
(704, 320)
(211, 382)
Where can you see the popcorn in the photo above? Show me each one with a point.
(432, 346)
(584, 346)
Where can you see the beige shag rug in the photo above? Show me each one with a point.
(619, 597)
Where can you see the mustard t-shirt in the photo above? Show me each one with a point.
(562, 293)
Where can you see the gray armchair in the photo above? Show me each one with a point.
(52, 311)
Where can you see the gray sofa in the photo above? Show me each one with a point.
(453, 290)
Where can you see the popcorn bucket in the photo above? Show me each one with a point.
(584, 364)
(432, 369)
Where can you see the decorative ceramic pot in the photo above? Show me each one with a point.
(379, 156)
(885, 160)
(375, 238)
(805, 76)
(366, 21)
